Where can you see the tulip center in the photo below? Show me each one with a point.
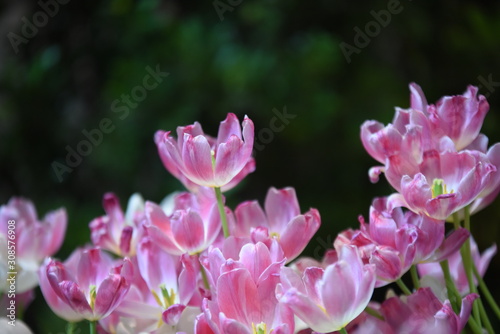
(275, 235)
(439, 188)
(167, 297)
(212, 155)
(259, 328)
(93, 294)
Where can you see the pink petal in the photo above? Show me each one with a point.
(172, 314)
(281, 206)
(229, 127)
(236, 293)
(197, 158)
(109, 294)
(188, 230)
(293, 243)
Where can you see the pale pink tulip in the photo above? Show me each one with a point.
(458, 117)
(243, 299)
(328, 300)
(185, 231)
(117, 231)
(93, 287)
(207, 161)
(445, 182)
(281, 220)
(395, 240)
(33, 240)
(422, 312)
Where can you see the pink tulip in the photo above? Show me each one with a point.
(58, 305)
(458, 117)
(196, 158)
(493, 186)
(243, 299)
(33, 239)
(281, 220)
(93, 287)
(457, 269)
(445, 182)
(328, 300)
(170, 279)
(118, 232)
(422, 312)
(192, 228)
(395, 240)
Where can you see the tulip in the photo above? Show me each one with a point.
(196, 158)
(92, 287)
(243, 299)
(280, 221)
(185, 231)
(328, 300)
(117, 231)
(33, 240)
(458, 117)
(446, 182)
(422, 312)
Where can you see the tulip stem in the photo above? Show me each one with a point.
(93, 327)
(403, 287)
(414, 277)
(204, 275)
(343, 330)
(222, 211)
(467, 263)
(453, 294)
(70, 327)
(486, 292)
(374, 313)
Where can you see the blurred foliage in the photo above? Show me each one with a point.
(262, 56)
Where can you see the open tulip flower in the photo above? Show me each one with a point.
(327, 300)
(33, 240)
(422, 312)
(191, 228)
(117, 231)
(208, 161)
(458, 117)
(244, 300)
(281, 220)
(92, 287)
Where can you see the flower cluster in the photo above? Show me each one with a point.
(191, 264)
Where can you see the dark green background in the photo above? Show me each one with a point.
(263, 55)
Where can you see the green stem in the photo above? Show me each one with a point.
(414, 277)
(453, 294)
(485, 319)
(474, 326)
(403, 287)
(70, 327)
(204, 276)
(343, 330)
(467, 262)
(486, 293)
(222, 212)
(93, 327)
(374, 313)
